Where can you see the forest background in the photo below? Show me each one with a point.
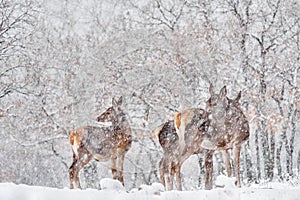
(62, 61)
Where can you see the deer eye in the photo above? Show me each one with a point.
(212, 102)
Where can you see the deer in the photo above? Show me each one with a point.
(179, 147)
(182, 137)
(101, 143)
(229, 129)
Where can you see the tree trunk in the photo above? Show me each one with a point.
(272, 156)
(278, 157)
(298, 162)
(292, 141)
(201, 170)
(220, 163)
(266, 151)
(264, 133)
(258, 172)
(248, 165)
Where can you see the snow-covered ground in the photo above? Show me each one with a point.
(112, 189)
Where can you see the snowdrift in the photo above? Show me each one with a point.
(112, 189)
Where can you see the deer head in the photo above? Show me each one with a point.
(217, 105)
(113, 114)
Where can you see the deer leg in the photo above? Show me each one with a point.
(165, 168)
(178, 177)
(72, 172)
(170, 178)
(169, 175)
(208, 169)
(162, 171)
(236, 152)
(76, 179)
(120, 163)
(226, 158)
(174, 171)
(114, 167)
(84, 157)
(169, 182)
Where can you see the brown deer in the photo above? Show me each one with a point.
(178, 147)
(184, 133)
(228, 129)
(101, 143)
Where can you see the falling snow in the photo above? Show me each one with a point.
(62, 62)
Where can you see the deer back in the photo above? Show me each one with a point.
(194, 122)
(196, 125)
(100, 142)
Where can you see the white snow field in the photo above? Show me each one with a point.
(112, 189)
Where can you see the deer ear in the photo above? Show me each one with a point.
(238, 96)
(114, 102)
(120, 100)
(223, 92)
(211, 89)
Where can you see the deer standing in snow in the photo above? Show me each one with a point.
(223, 127)
(101, 143)
(228, 129)
(178, 147)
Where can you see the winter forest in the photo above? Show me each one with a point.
(62, 62)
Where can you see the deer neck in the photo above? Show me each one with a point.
(121, 123)
(217, 122)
